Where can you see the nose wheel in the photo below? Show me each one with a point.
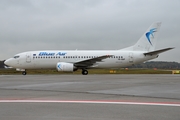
(24, 73)
(84, 72)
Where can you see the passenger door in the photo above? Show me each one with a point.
(131, 57)
(28, 57)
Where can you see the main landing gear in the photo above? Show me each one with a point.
(84, 72)
(24, 73)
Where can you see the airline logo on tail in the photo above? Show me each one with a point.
(150, 33)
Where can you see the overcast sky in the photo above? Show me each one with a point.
(27, 25)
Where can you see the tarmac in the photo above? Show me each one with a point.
(90, 97)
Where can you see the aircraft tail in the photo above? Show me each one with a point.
(147, 42)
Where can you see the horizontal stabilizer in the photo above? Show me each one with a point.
(157, 51)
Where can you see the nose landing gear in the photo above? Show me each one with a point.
(24, 73)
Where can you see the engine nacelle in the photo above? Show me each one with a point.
(63, 66)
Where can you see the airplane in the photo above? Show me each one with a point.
(72, 60)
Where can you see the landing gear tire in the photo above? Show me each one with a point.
(24, 73)
(84, 72)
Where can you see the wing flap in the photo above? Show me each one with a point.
(91, 61)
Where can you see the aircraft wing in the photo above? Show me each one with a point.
(157, 51)
(91, 61)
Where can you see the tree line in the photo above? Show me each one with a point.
(158, 65)
(1, 64)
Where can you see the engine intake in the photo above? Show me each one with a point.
(63, 66)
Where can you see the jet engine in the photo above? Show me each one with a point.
(63, 66)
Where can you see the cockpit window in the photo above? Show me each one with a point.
(16, 57)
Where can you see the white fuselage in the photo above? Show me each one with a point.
(47, 59)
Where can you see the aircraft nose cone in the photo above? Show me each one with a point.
(8, 62)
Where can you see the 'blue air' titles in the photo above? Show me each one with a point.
(52, 54)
